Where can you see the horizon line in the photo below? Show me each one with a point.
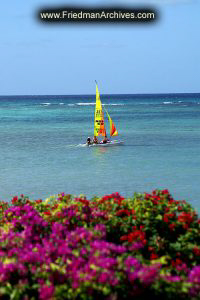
(135, 94)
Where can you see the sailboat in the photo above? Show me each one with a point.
(99, 124)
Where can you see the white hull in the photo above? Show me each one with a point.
(108, 144)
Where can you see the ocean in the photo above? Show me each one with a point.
(41, 151)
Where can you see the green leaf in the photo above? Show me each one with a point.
(159, 217)
(162, 260)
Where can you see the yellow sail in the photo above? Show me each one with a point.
(113, 130)
(99, 126)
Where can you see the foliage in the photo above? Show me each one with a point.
(105, 248)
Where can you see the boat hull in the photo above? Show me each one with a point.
(108, 144)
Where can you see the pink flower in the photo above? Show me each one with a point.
(103, 278)
(46, 292)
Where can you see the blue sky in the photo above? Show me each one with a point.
(37, 58)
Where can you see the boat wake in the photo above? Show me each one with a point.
(109, 144)
(82, 145)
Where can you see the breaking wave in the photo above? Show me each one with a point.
(93, 103)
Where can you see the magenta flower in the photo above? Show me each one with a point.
(194, 277)
(148, 274)
(132, 262)
(171, 278)
(136, 246)
(103, 278)
(46, 292)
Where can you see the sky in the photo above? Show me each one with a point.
(37, 58)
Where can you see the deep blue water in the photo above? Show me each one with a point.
(40, 153)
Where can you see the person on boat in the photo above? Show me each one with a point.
(89, 141)
(95, 140)
(105, 140)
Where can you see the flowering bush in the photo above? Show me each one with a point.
(104, 248)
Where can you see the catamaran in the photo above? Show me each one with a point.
(99, 124)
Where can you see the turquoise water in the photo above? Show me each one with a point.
(40, 153)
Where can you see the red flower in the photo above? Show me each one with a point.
(153, 256)
(172, 226)
(196, 251)
(55, 206)
(147, 196)
(116, 196)
(171, 201)
(47, 213)
(123, 213)
(14, 199)
(154, 201)
(185, 217)
(165, 218)
(38, 201)
(137, 235)
(185, 226)
(151, 249)
(104, 198)
(176, 262)
(84, 201)
(124, 238)
(171, 215)
(165, 192)
(59, 214)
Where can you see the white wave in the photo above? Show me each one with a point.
(114, 104)
(70, 104)
(92, 103)
(72, 146)
(45, 103)
(168, 102)
(83, 104)
(61, 103)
